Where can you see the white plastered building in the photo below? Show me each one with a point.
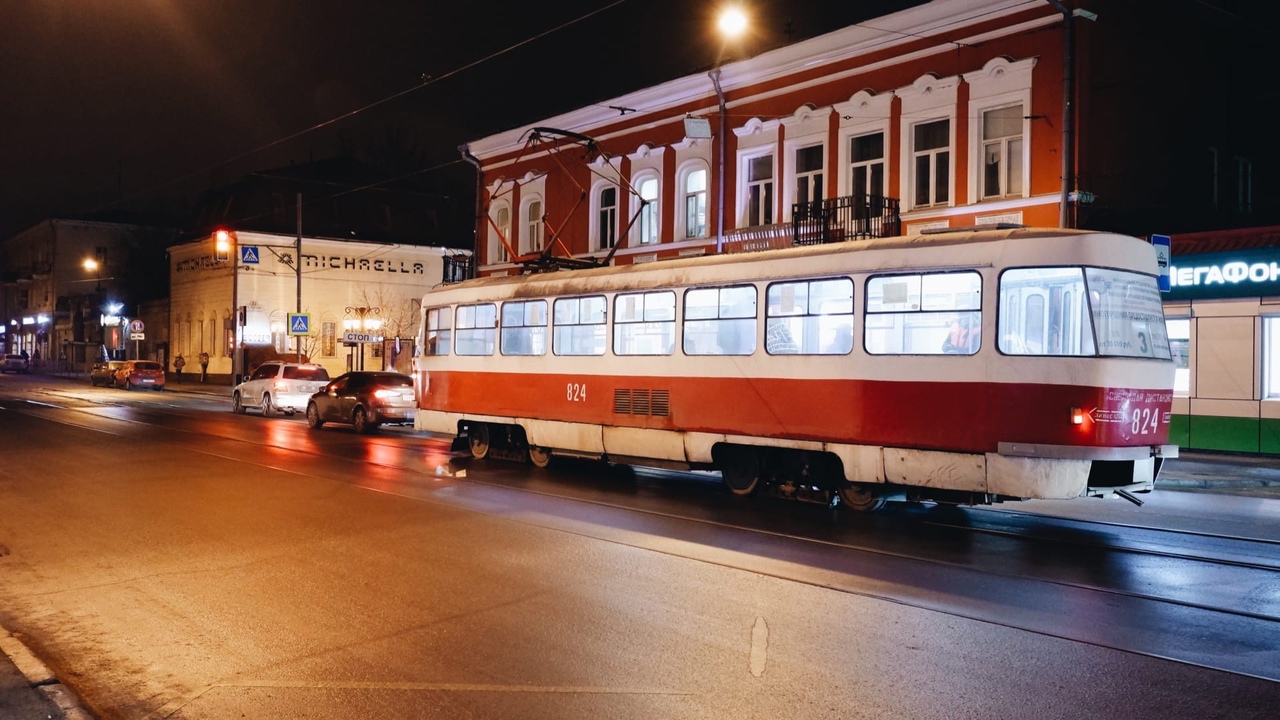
(243, 298)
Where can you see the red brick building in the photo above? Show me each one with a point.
(948, 114)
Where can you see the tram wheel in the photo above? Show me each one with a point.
(860, 499)
(741, 470)
(478, 440)
(539, 456)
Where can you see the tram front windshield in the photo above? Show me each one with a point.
(1081, 311)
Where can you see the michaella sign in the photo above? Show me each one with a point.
(1254, 273)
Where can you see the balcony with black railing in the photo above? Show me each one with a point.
(852, 217)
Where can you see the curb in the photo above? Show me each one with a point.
(41, 677)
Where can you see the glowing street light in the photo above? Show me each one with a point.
(94, 267)
(732, 22)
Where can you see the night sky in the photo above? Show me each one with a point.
(154, 101)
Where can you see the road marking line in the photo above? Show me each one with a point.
(759, 647)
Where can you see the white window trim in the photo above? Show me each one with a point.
(926, 100)
(683, 171)
(596, 237)
(604, 173)
(1000, 83)
(526, 244)
(864, 114)
(495, 254)
(756, 138)
(807, 127)
(501, 191)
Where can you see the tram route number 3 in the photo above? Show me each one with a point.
(576, 392)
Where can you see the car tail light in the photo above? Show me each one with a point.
(385, 394)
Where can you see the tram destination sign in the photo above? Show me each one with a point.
(1244, 273)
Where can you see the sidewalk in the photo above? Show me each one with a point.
(28, 689)
(1237, 474)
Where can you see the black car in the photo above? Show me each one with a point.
(365, 400)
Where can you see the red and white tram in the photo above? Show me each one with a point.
(971, 367)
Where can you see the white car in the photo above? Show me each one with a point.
(15, 364)
(277, 387)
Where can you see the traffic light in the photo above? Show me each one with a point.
(222, 245)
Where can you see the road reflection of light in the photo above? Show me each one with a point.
(283, 438)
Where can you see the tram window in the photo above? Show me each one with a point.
(1043, 311)
(524, 328)
(927, 314)
(644, 323)
(439, 334)
(580, 326)
(810, 317)
(1128, 314)
(475, 329)
(720, 321)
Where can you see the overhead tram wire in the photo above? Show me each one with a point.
(427, 81)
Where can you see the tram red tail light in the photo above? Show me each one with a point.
(1077, 416)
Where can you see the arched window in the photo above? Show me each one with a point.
(694, 191)
(647, 223)
(607, 217)
(498, 248)
(532, 239)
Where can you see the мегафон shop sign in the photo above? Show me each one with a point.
(1244, 273)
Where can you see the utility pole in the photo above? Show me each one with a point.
(297, 268)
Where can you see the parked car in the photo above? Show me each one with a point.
(139, 374)
(365, 400)
(279, 387)
(15, 364)
(104, 372)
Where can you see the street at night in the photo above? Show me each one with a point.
(167, 558)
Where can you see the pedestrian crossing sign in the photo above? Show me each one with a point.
(249, 254)
(299, 324)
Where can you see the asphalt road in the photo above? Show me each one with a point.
(168, 559)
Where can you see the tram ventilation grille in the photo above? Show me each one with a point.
(642, 402)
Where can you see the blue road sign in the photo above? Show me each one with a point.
(299, 324)
(249, 254)
(1162, 244)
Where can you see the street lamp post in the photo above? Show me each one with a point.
(732, 23)
(363, 325)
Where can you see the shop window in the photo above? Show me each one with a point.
(1180, 347)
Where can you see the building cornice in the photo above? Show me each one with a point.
(654, 104)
